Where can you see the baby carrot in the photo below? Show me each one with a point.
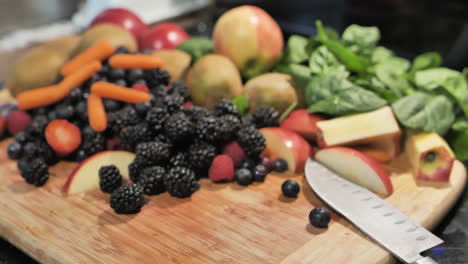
(79, 76)
(117, 92)
(98, 52)
(40, 97)
(96, 113)
(135, 61)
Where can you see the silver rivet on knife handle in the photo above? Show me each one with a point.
(426, 260)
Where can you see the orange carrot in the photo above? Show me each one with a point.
(132, 61)
(96, 113)
(40, 97)
(98, 52)
(377, 154)
(117, 92)
(79, 76)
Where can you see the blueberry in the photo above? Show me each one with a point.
(142, 108)
(80, 155)
(23, 164)
(260, 172)
(279, 165)
(38, 124)
(111, 105)
(290, 188)
(247, 163)
(52, 115)
(121, 50)
(14, 150)
(105, 69)
(148, 51)
(30, 149)
(142, 82)
(65, 111)
(121, 82)
(82, 110)
(75, 95)
(243, 176)
(319, 217)
(134, 75)
(116, 74)
(21, 137)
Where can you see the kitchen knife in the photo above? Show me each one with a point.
(393, 230)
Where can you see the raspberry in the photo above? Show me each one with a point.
(234, 151)
(222, 169)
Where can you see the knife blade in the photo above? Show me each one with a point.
(375, 217)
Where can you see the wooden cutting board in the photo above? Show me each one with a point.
(221, 223)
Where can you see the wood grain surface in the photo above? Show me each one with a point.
(221, 223)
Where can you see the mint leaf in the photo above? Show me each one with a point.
(242, 104)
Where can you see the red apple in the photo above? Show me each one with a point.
(250, 37)
(163, 36)
(124, 18)
(86, 176)
(356, 167)
(303, 123)
(283, 143)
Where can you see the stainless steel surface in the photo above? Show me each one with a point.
(18, 14)
(393, 230)
(425, 260)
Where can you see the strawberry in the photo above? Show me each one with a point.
(63, 136)
(141, 87)
(3, 125)
(234, 151)
(18, 121)
(222, 169)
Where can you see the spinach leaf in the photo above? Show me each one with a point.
(459, 143)
(361, 40)
(322, 61)
(349, 101)
(375, 85)
(296, 50)
(242, 104)
(430, 79)
(197, 47)
(352, 61)
(461, 124)
(381, 54)
(324, 86)
(425, 112)
(425, 61)
(312, 44)
(391, 73)
(457, 87)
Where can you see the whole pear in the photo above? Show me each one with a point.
(116, 35)
(176, 62)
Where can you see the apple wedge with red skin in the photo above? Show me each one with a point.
(283, 143)
(356, 167)
(86, 176)
(303, 123)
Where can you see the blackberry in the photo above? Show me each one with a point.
(22, 137)
(153, 153)
(80, 155)
(127, 199)
(180, 159)
(116, 74)
(104, 71)
(121, 50)
(159, 92)
(173, 103)
(251, 141)
(209, 129)
(46, 152)
(179, 127)
(225, 107)
(30, 150)
(259, 173)
(75, 95)
(38, 124)
(65, 111)
(230, 124)
(196, 113)
(156, 117)
(265, 117)
(134, 170)
(147, 51)
(36, 173)
(122, 118)
(142, 108)
(121, 82)
(15, 150)
(134, 135)
(152, 180)
(111, 105)
(82, 110)
(156, 76)
(201, 154)
(22, 164)
(109, 178)
(93, 142)
(52, 115)
(181, 182)
(134, 75)
(164, 139)
(178, 87)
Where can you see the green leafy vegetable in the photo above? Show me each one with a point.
(425, 61)
(391, 73)
(312, 44)
(197, 47)
(425, 112)
(381, 54)
(361, 40)
(433, 78)
(242, 104)
(375, 85)
(352, 61)
(296, 50)
(349, 101)
(323, 61)
(321, 87)
(459, 144)
(299, 73)
(461, 124)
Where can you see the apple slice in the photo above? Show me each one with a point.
(359, 128)
(283, 143)
(382, 149)
(303, 123)
(430, 156)
(356, 167)
(86, 176)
